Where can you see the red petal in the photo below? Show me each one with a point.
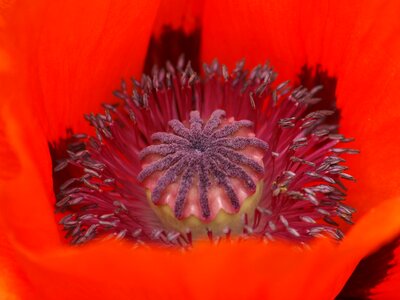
(242, 270)
(247, 270)
(257, 31)
(357, 43)
(71, 55)
(26, 196)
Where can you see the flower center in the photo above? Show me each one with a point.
(182, 157)
(186, 166)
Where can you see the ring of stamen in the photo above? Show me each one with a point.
(299, 196)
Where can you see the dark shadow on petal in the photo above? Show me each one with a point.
(170, 45)
(371, 271)
(58, 152)
(311, 77)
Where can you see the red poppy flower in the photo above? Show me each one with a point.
(59, 61)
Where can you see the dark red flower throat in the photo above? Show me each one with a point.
(227, 154)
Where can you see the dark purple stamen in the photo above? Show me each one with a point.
(186, 151)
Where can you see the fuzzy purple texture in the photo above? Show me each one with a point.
(191, 149)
